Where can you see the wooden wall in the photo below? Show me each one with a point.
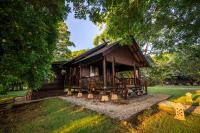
(122, 55)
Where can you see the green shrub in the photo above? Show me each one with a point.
(2, 90)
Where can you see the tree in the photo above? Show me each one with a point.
(168, 25)
(62, 43)
(74, 54)
(162, 68)
(28, 39)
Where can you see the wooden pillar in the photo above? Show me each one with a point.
(113, 71)
(70, 81)
(139, 76)
(104, 73)
(134, 73)
(80, 74)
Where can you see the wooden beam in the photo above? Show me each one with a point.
(113, 70)
(80, 75)
(70, 79)
(104, 73)
(134, 73)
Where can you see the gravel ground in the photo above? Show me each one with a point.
(119, 111)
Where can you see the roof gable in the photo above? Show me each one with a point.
(104, 49)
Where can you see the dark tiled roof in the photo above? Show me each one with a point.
(99, 50)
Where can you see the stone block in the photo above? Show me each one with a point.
(80, 94)
(114, 97)
(69, 93)
(90, 96)
(104, 98)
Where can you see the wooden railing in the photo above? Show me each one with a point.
(118, 85)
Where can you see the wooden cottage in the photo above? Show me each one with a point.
(97, 70)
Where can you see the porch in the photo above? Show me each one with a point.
(103, 77)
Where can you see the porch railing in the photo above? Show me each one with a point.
(119, 85)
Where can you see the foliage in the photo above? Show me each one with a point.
(62, 42)
(28, 39)
(74, 54)
(2, 90)
(56, 115)
(161, 69)
(166, 25)
(170, 65)
(187, 63)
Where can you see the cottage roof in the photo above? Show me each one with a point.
(104, 49)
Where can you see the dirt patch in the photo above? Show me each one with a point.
(119, 111)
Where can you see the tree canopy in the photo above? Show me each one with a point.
(33, 33)
(28, 38)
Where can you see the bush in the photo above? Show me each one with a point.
(2, 90)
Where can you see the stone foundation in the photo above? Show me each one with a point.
(80, 94)
(114, 97)
(69, 93)
(104, 98)
(90, 96)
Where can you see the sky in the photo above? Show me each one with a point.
(82, 32)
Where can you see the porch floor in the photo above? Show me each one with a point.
(131, 107)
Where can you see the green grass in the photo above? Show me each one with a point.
(12, 94)
(165, 123)
(55, 116)
(174, 91)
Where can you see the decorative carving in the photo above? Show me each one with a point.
(179, 109)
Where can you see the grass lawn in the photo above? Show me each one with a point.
(57, 116)
(14, 94)
(162, 122)
(175, 91)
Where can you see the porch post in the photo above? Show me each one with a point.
(70, 81)
(113, 71)
(104, 73)
(80, 74)
(79, 83)
(134, 73)
(104, 97)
